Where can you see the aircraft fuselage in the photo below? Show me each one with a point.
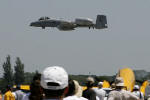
(43, 22)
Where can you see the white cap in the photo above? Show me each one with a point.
(52, 75)
(119, 81)
(136, 87)
(90, 79)
(100, 83)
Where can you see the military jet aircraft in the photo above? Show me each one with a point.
(101, 23)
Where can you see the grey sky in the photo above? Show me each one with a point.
(101, 52)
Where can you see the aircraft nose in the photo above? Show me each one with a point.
(31, 24)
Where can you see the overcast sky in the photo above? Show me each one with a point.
(100, 52)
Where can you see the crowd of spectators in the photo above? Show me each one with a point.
(54, 84)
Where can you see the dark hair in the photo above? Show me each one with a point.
(18, 87)
(135, 90)
(37, 77)
(8, 87)
(53, 93)
(89, 84)
(71, 90)
(36, 91)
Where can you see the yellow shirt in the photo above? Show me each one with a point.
(9, 96)
(0, 97)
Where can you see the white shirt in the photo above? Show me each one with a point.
(14, 94)
(100, 93)
(121, 95)
(19, 95)
(26, 96)
(74, 98)
(138, 94)
(51, 99)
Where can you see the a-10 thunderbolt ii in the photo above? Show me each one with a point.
(101, 23)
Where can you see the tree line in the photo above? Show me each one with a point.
(15, 75)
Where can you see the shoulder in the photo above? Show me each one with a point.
(14, 94)
(89, 91)
(72, 98)
(114, 91)
(26, 96)
(8, 93)
(82, 98)
(130, 94)
(101, 90)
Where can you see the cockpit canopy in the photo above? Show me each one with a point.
(43, 18)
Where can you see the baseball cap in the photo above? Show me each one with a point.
(100, 83)
(54, 78)
(90, 79)
(136, 87)
(119, 81)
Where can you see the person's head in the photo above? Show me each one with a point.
(90, 82)
(148, 82)
(36, 91)
(100, 84)
(8, 88)
(74, 88)
(119, 83)
(35, 88)
(54, 81)
(136, 88)
(37, 77)
(18, 87)
(71, 89)
(113, 86)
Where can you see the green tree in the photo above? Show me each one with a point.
(8, 72)
(28, 77)
(19, 72)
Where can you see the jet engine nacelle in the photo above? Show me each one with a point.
(66, 26)
(83, 22)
